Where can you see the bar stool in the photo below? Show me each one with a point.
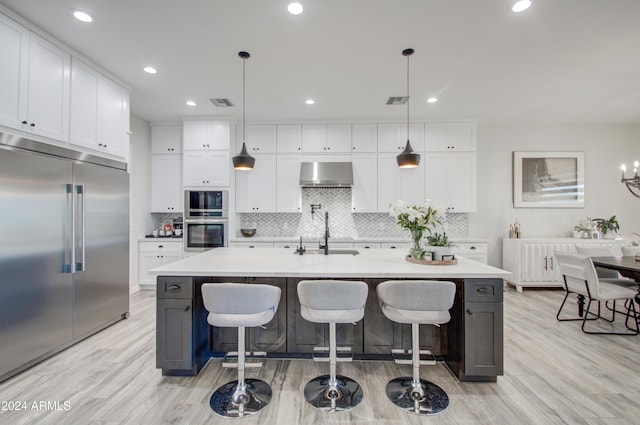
(332, 301)
(416, 302)
(240, 305)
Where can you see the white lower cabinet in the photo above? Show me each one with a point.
(156, 253)
(250, 244)
(472, 251)
(366, 245)
(532, 263)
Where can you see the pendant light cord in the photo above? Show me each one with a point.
(408, 97)
(244, 103)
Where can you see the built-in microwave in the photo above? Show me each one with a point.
(206, 204)
(205, 233)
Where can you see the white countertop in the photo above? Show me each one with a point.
(277, 263)
(309, 239)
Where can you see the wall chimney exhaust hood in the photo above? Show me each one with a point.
(326, 174)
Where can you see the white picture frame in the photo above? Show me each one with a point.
(548, 179)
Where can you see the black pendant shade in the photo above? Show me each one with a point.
(408, 158)
(243, 161)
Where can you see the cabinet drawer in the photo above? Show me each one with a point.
(395, 245)
(286, 245)
(471, 247)
(161, 246)
(175, 287)
(366, 245)
(483, 290)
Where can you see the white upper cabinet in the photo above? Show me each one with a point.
(34, 82)
(14, 45)
(364, 193)
(323, 138)
(207, 134)
(288, 192)
(450, 180)
(393, 137)
(364, 138)
(256, 189)
(166, 183)
(206, 168)
(99, 111)
(450, 137)
(289, 137)
(395, 183)
(166, 139)
(260, 138)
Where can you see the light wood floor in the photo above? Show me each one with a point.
(554, 374)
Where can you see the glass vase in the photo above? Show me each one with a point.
(416, 250)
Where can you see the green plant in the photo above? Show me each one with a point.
(580, 228)
(439, 239)
(605, 226)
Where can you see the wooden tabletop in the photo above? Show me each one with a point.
(627, 266)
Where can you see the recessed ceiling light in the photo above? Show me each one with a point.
(150, 70)
(521, 5)
(82, 16)
(191, 103)
(309, 101)
(295, 8)
(432, 99)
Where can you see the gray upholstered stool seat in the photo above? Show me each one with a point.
(417, 302)
(240, 305)
(332, 301)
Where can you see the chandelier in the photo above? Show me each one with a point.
(632, 183)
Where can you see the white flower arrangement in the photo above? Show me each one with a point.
(414, 217)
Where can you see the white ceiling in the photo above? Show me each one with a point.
(560, 61)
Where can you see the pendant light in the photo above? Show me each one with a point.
(408, 158)
(243, 161)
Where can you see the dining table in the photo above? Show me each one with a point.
(627, 266)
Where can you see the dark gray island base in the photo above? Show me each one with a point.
(471, 344)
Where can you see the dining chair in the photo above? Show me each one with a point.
(580, 278)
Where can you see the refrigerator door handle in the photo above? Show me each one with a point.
(69, 233)
(80, 246)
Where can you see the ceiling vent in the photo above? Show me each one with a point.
(397, 100)
(221, 103)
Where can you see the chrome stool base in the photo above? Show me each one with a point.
(428, 399)
(346, 395)
(229, 402)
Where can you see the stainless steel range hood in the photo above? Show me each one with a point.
(326, 174)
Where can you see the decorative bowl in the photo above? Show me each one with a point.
(247, 232)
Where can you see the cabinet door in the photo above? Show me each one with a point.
(534, 262)
(381, 334)
(272, 338)
(450, 180)
(166, 139)
(174, 334)
(289, 138)
(314, 138)
(219, 134)
(14, 45)
(195, 135)
(396, 183)
(256, 189)
(338, 138)
(288, 192)
(85, 87)
(260, 139)
(553, 269)
(49, 89)
(393, 137)
(148, 261)
(484, 335)
(302, 335)
(114, 118)
(364, 194)
(194, 169)
(364, 138)
(450, 137)
(218, 166)
(166, 183)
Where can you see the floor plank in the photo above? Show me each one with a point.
(554, 374)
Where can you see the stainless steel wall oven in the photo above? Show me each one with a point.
(206, 223)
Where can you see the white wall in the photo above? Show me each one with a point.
(606, 147)
(139, 166)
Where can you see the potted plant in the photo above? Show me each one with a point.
(608, 227)
(580, 231)
(416, 219)
(441, 245)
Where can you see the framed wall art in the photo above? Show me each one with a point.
(548, 179)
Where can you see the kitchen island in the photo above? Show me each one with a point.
(471, 344)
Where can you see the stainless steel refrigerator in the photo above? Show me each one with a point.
(64, 249)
